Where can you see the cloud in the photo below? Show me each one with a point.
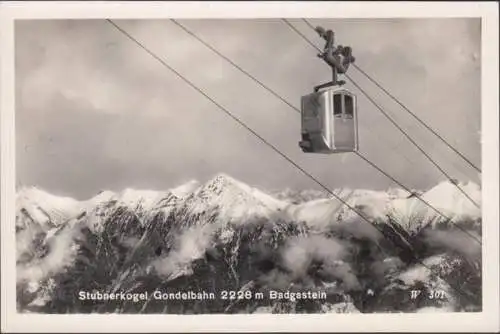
(190, 245)
(358, 228)
(380, 268)
(455, 241)
(24, 241)
(301, 253)
(61, 253)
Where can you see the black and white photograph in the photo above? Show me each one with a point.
(248, 166)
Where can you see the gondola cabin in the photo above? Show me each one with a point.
(329, 122)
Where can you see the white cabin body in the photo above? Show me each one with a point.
(329, 122)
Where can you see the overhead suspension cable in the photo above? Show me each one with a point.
(419, 120)
(412, 141)
(391, 120)
(304, 37)
(234, 64)
(448, 219)
(260, 83)
(428, 127)
(241, 123)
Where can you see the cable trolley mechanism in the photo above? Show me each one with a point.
(329, 114)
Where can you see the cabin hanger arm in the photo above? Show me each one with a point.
(338, 58)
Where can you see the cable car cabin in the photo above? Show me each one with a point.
(329, 122)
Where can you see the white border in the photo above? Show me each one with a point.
(488, 320)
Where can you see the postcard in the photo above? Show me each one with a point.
(249, 166)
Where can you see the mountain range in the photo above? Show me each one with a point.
(225, 235)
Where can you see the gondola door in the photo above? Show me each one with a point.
(345, 127)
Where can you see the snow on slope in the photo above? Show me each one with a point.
(61, 253)
(43, 208)
(142, 200)
(237, 200)
(35, 207)
(318, 213)
(233, 198)
(322, 212)
(229, 200)
(412, 213)
(101, 197)
(185, 189)
(371, 203)
(209, 209)
(446, 197)
(131, 198)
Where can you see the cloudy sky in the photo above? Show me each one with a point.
(94, 111)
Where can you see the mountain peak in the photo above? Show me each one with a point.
(224, 181)
(219, 184)
(37, 195)
(134, 197)
(44, 207)
(448, 197)
(222, 178)
(185, 189)
(102, 196)
(229, 192)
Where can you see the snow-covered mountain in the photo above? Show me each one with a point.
(445, 199)
(226, 235)
(36, 206)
